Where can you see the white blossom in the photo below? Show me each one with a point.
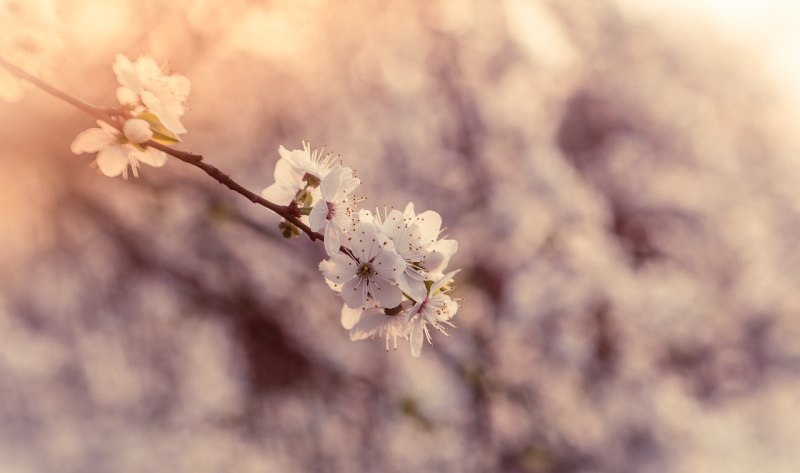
(432, 307)
(296, 170)
(415, 239)
(309, 162)
(368, 272)
(116, 151)
(438, 251)
(334, 210)
(287, 183)
(143, 84)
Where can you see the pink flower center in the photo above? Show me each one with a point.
(331, 211)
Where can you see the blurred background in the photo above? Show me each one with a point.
(621, 176)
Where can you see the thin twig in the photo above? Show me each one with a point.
(112, 116)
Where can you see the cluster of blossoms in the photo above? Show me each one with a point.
(388, 267)
(152, 104)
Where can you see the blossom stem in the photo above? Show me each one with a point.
(93, 110)
(112, 116)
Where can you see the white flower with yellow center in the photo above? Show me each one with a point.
(368, 271)
(116, 151)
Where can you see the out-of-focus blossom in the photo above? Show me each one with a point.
(30, 38)
(116, 151)
(143, 85)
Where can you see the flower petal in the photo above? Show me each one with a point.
(416, 336)
(408, 212)
(363, 242)
(439, 256)
(451, 306)
(286, 175)
(354, 293)
(171, 121)
(368, 326)
(180, 86)
(338, 269)
(126, 76)
(333, 239)
(393, 225)
(388, 264)
(278, 193)
(350, 317)
(127, 96)
(386, 293)
(444, 280)
(284, 153)
(112, 160)
(152, 156)
(414, 287)
(348, 185)
(92, 141)
(330, 185)
(317, 216)
(430, 223)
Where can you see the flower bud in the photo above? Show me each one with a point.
(312, 180)
(137, 130)
(288, 230)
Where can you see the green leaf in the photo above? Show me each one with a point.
(161, 134)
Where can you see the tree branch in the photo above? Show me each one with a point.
(113, 117)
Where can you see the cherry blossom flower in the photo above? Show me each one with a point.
(295, 171)
(415, 239)
(437, 251)
(368, 272)
(311, 164)
(116, 150)
(432, 307)
(336, 206)
(407, 239)
(287, 183)
(143, 84)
